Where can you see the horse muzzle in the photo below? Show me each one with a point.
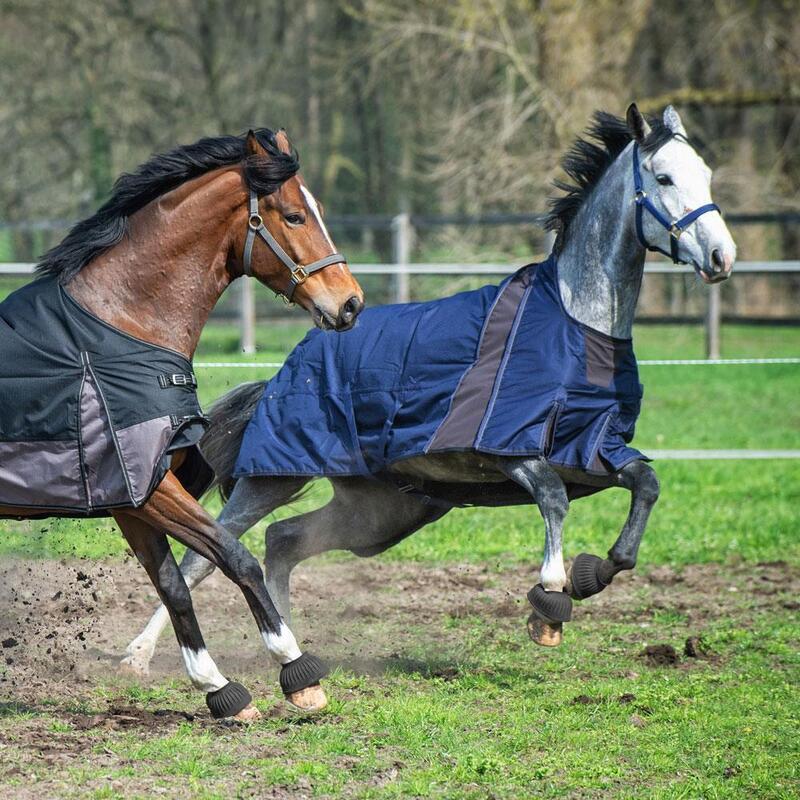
(718, 267)
(344, 319)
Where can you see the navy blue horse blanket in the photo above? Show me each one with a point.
(501, 370)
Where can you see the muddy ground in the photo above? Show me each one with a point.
(64, 626)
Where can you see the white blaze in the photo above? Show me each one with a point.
(312, 204)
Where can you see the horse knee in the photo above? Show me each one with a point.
(642, 481)
(247, 569)
(648, 486)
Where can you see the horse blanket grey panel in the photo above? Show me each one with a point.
(501, 370)
(88, 414)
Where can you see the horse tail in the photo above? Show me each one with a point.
(228, 417)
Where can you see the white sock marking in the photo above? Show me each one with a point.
(553, 575)
(202, 670)
(282, 645)
(312, 204)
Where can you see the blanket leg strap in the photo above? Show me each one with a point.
(550, 611)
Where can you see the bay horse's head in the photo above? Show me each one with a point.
(284, 242)
(673, 185)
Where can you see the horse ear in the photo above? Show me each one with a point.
(253, 146)
(672, 119)
(282, 140)
(637, 124)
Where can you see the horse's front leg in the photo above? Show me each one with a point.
(552, 606)
(171, 509)
(591, 574)
(224, 698)
(251, 500)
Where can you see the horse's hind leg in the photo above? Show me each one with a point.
(251, 500)
(551, 604)
(363, 516)
(591, 574)
(224, 699)
(171, 509)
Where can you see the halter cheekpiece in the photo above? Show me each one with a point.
(675, 228)
(299, 274)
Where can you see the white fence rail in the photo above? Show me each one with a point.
(403, 269)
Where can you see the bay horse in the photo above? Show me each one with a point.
(638, 185)
(145, 272)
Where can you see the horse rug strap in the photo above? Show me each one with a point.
(502, 370)
(88, 414)
(255, 225)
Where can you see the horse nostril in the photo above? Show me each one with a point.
(717, 259)
(350, 310)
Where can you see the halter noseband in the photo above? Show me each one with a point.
(299, 274)
(675, 228)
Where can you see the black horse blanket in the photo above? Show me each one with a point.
(501, 370)
(88, 414)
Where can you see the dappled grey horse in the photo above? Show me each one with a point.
(640, 186)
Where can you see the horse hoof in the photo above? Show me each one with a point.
(546, 634)
(248, 714)
(308, 700)
(584, 576)
(134, 666)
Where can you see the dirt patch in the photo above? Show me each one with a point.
(64, 625)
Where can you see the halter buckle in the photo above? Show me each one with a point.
(640, 195)
(255, 221)
(299, 275)
(675, 231)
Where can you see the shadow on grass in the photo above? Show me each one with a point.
(430, 669)
(13, 708)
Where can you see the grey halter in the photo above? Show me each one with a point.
(255, 225)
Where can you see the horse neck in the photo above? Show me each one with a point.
(601, 262)
(160, 282)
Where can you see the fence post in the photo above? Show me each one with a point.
(713, 316)
(401, 254)
(247, 316)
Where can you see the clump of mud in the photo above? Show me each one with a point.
(660, 655)
(48, 618)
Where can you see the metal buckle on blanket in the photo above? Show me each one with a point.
(177, 379)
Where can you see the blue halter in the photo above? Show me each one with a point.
(675, 228)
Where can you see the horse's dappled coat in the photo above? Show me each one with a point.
(501, 370)
(88, 414)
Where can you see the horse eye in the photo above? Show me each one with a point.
(295, 219)
(664, 180)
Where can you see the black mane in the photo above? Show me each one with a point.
(587, 161)
(161, 174)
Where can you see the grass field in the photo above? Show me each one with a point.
(437, 692)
